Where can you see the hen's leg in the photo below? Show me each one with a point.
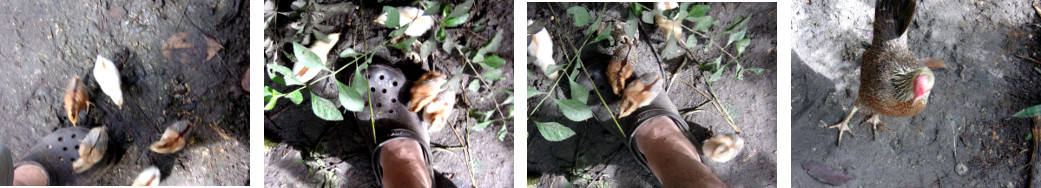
(844, 125)
(874, 120)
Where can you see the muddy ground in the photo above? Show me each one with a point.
(968, 121)
(306, 151)
(49, 42)
(594, 157)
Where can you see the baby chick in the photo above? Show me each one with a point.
(175, 137)
(410, 15)
(723, 148)
(541, 47)
(426, 90)
(148, 177)
(75, 99)
(304, 74)
(671, 29)
(107, 76)
(437, 112)
(638, 94)
(92, 149)
(620, 68)
(666, 5)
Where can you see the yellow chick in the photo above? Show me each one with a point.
(75, 99)
(620, 68)
(671, 29)
(637, 94)
(410, 15)
(437, 112)
(175, 137)
(92, 149)
(723, 148)
(107, 76)
(304, 74)
(149, 177)
(426, 90)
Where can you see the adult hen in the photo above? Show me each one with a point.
(892, 81)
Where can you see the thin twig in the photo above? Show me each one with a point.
(719, 108)
(466, 148)
(1028, 58)
(479, 77)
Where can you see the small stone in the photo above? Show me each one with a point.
(961, 169)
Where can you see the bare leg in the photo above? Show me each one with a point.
(403, 164)
(844, 125)
(874, 120)
(30, 175)
(671, 157)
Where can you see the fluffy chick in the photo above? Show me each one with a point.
(638, 94)
(174, 138)
(107, 76)
(620, 68)
(437, 112)
(149, 177)
(75, 99)
(92, 149)
(426, 90)
(723, 148)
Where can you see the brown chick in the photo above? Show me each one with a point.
(92, 149)
(75, 99)
(436, 113)
(723, 148)
(892, 81)
(620, 68)
(638, 94)
(426, 90)
(671, 29)
(174, 138)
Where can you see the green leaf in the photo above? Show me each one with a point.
(491, 46)
(531, 92)
(456, 21)
(350, 98)
(492, 74)
(698, 11)
(704, 22)
(1038, 70)
(462, 9)
(307, 57)
(404, 44)
(672, 49)
(604, 34)
(287, 74)
(741, 45)
(474, 85)
(432, 7)
(270, 98)
(441, 34)
(1030, 111)
(502, 133)
(359, 83)
(392, 16)
(647, 18)
(448, 46)
(630, 27)
(637, 9)
(718, 72)
(398, 32)
(323, 108)
(594, 26)
(427, 48)
(737, 24)
(579, 92)
(574, 110)
(493, 61)
(554, 131)
(580, 14)
(481, 126)
(295, 96)
(691, 41)
(349, 53)
(736, 36)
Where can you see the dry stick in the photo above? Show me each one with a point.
(479, 77)
(1035, 164)
(714, 104)
(466, 149)
(1028, 58)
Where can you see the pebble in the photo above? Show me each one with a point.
(961, 169)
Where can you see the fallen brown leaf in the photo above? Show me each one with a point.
(190, 47)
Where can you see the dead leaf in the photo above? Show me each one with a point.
(190, 47)
(934, 63)
(825, 174)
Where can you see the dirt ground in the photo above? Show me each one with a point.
(306, 151)
(968, 121)
(595, 157)
(48, 42)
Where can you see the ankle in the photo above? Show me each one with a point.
(403, 164)
(30, 175)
